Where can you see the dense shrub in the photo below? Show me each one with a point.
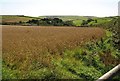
(47, 22)
(114, 27)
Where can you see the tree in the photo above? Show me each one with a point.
(84, 23)
(95, 21)
(20, 22)
(68, 23)
(89, 20)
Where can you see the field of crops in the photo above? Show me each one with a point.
(27, 48)
(22, 39)
(14, 18)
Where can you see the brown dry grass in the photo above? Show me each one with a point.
(12, 19)
(22, 44)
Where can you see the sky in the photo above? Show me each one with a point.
(100, 8)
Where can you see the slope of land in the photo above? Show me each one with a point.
(15, 18)
(30, 52)
(49, 38)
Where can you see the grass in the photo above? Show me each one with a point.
(100, 21)
(88, 62)
(77, 22)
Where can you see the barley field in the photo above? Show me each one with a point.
(28, 47)
(22, 39)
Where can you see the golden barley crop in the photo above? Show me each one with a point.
(23, 45)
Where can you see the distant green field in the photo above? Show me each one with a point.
(102, 20)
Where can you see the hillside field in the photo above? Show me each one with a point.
(37, 51)
(53, 39)
(24, 46)
(15, 18)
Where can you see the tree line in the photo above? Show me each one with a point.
(42, 22)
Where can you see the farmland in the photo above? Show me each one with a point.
(24, 45)
(58, 52)
(46, 38)
(61, 20)
(15, 18)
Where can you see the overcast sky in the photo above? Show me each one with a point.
(98, 8)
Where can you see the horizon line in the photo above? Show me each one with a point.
(54, 15)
